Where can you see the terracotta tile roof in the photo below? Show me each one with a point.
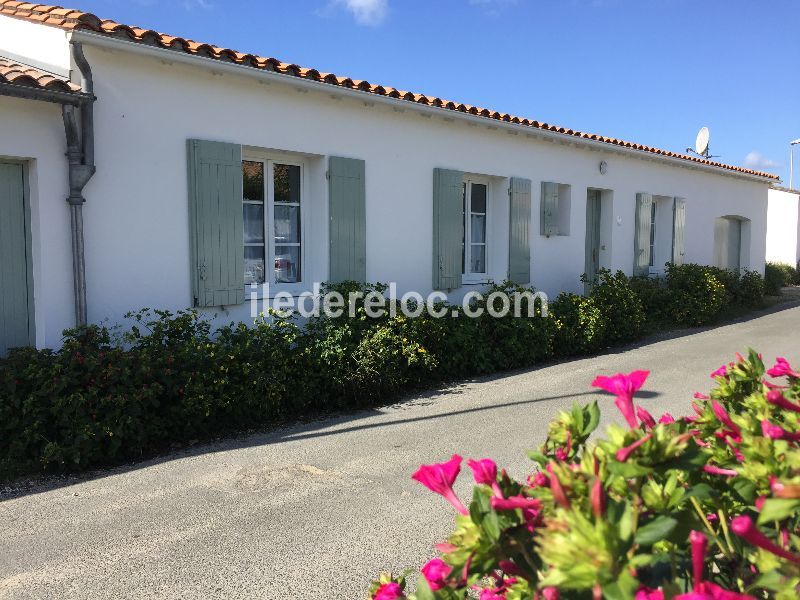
(72, 19)
(17, 74)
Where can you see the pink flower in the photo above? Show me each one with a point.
(436, 572)
(493, 594)
(646, 593)
(645, 417)
(559, 495)
(515, 502)
(744, 527)
(724, 417)
(598, 498)
(445, 547)
(699, 396)
(721, 372)
(540, 479)
(550, 593)
(714, 470)
(782, 368)
(509, 567)
(389, 591)
(711, 591)
(485, 473)
(623, 387)
(778, 399)
(623, 454)
(666, 418)
(440, 477)
(776, 432)
(699, 545)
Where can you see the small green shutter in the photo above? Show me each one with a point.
(16, 282)
(348, 220)
(641, 256)
(448, 228)
(678, 226)
(549, 209)
(519, 251)
(215, 208)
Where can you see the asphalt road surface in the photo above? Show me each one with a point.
(316, 510)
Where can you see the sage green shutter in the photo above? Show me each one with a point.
(519, 251)
(678, 226)
(641, 256)
(348, 220)
(448, 228)
(215, 208)
(549, 209)
(16, 281)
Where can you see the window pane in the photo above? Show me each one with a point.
(254, 264)
(478, 198)
(253, 180)
(253, 223)
(478, 228)
(287, 183)
(287, 264)
(477, 259)
(287, 224)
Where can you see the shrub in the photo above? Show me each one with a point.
(779, 275)
(579, 325)
(100, 400)
(697, 296)
(695, 508)
(751, 290)
(622, 316)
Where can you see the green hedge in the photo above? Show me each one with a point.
(778, 275)
(101, 400)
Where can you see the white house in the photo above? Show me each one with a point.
(204, 169)
(783, 226)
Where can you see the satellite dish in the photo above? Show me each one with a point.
(701, 143)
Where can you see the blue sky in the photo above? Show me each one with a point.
(650, 71)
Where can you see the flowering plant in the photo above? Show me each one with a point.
(703, 507)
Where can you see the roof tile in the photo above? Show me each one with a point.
(17, 74)
(74, 19)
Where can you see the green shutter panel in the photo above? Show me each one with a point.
(215, 206)
(549, 209)
(519, 252)
(348, 219)
(641, 256)
(16, 284)
(448, 228)
(678, 226)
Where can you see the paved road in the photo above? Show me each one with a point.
(315, 510)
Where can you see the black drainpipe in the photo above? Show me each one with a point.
(79, 129)
(77, 110)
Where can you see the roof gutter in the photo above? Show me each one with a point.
(33, 93)
(271, 76)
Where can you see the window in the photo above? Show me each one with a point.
(475, 213)
(272, 221)
(653, 233)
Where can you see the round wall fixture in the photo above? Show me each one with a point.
(603, 167)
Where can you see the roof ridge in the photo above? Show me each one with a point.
(73, 19)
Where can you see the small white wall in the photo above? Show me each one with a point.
(783, 227)
(35, 45)
(33, 131)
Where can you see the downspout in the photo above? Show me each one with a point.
(79, 129)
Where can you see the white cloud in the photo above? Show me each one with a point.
(756, 160)
(366, 12)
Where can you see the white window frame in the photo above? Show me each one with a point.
(653, 240)
(269, 159)
(467, 276)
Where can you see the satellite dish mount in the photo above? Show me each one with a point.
(701, 144)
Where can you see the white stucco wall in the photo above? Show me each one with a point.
(136, 216)
(783, 227)
(33, 132)
(44, 47)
